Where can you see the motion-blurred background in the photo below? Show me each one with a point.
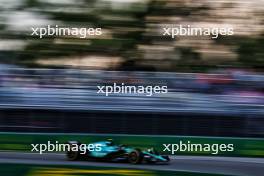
(215, 85)
(218, 80)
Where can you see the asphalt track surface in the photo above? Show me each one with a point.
(220, 165)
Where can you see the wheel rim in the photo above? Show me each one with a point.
(133, 157)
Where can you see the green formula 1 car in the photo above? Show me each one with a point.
(109, 151)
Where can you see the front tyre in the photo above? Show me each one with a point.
(73, 155)
(135, 157)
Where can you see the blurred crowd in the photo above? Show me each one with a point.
(218, 90)
(222, 74)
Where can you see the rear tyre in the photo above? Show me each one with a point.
(135, 157)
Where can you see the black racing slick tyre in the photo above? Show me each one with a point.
(135, 157)
(73, 155)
